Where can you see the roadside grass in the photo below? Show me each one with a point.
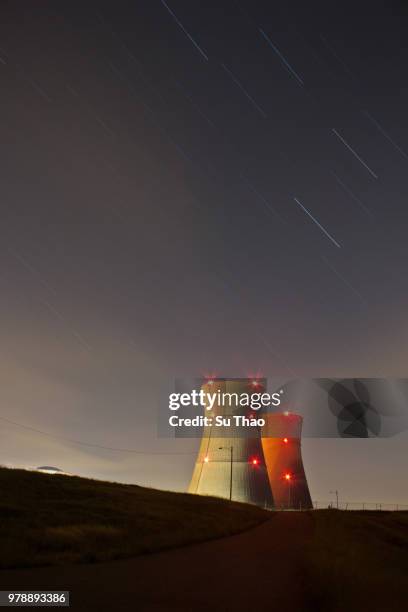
(55, 519)
(357, 560)
(347, 560)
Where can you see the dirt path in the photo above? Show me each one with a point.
(255, 571)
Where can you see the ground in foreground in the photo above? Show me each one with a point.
(324, 561)
(320, 561)
(55, 519)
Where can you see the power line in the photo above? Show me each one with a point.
(90, 444)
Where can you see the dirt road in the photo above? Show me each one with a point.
(256, 570)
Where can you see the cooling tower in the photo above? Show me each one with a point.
(281, 436)
(231, 464)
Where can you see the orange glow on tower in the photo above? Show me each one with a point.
(281, 437)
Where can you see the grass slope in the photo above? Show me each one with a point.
(356, 560)
(54, 519)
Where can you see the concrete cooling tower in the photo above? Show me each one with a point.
(281, 446)
(256, 465)
(228, 464)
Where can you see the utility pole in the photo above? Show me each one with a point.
(232, 458)
(337, 498)
(231, 450)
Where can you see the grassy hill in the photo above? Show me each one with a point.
(54, 519)
(356, 560)
(338, 560)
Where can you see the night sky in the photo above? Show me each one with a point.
(193, 187)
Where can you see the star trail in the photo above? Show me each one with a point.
(191, 186)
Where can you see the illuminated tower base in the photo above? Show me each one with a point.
(229, 465)
(282, 451)
(265, 468)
